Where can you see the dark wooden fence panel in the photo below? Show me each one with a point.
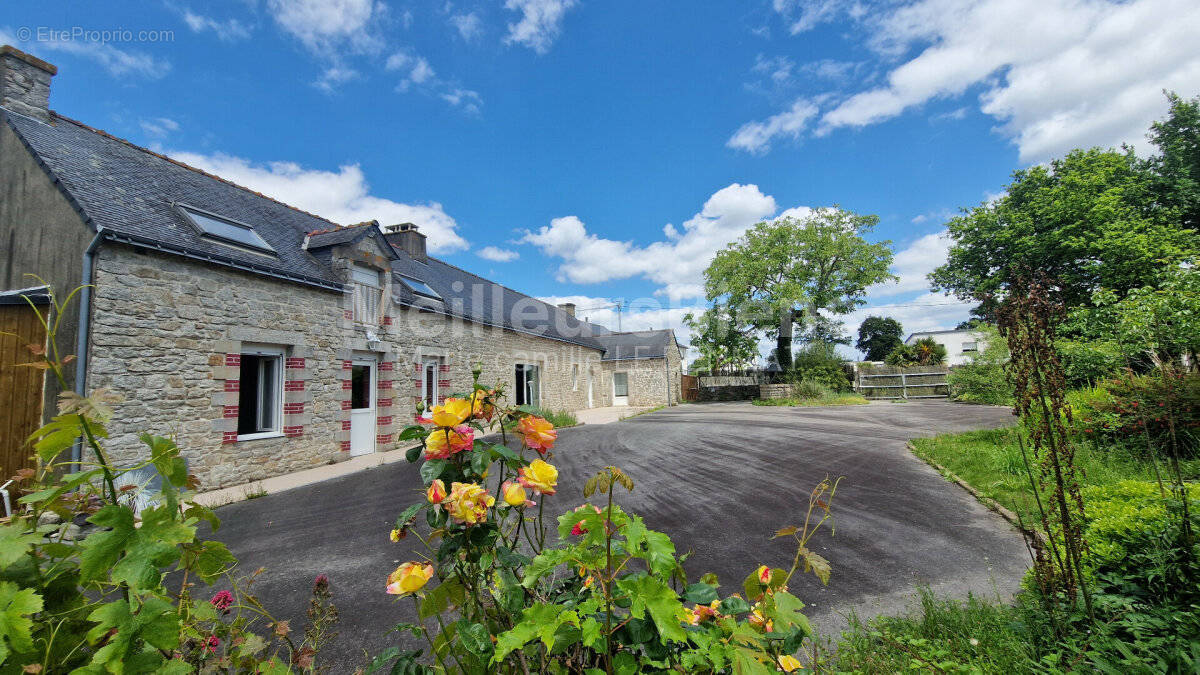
(689, 385)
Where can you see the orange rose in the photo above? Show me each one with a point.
(538, 433)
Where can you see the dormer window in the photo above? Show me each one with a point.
(419, 287)
(225, 230)
(368, 294)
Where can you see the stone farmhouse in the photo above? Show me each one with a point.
(265, 339)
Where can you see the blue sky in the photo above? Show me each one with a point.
(603, 151)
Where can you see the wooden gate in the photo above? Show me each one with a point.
(904, 383)
(21, 387)
(689, 387)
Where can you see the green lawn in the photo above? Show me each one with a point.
(828, 399)
(990, 461)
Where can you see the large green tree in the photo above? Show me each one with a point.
(1176, 167)
(789, 270)
(878, 336)
(1088, 221)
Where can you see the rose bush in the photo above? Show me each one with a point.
(505, 589)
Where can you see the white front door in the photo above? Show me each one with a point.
(591, 401)
(620, 388)
(362, 407)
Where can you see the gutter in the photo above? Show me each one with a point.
(85, 323)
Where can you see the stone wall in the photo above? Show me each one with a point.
(562, 366)
(167, 335)
(652, 382)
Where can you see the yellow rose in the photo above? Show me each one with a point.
(452, 413)
(409, 578)
(468, 503)
(540, 476)
(789, 663)
(514, 493)
(397, 535)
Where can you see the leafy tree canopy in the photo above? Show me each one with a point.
(1089, 221)
(878, 336)
(789, 269)
(1177, 166)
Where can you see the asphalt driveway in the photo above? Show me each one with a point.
(719, 478)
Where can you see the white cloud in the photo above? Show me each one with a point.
(323, 26)
(226, 31)
(421, 71)
(469, 101)
(540, 23)
(1057, 74)
(778, 68)
(158, 127)
(469, 26)
(497, 254)
(756, 137)
(342, 196)
(676, 264)
(334, 76)
(804, 15)
(912, 263)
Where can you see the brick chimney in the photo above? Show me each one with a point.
(406, 238)
(25, 83)
(568, 307)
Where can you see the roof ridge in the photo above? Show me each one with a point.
(187, 166)
(524, 295)
(341, 228)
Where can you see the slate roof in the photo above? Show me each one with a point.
(129, 192)
(650, 344)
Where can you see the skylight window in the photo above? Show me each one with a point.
(228, 231)
(420, 287)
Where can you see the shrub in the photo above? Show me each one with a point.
(819, 362)
(809, 389)
(923, 352)
(609, 596)
(1087, 362)
(982, 379)
(1142, 411)
(561, 419)
(1144, 578)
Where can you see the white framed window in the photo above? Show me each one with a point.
(368, 294)
(260, 393)
(575, 377)
(527, 389)
(970, 346)
(431, 368)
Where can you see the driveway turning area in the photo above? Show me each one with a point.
(719, 478)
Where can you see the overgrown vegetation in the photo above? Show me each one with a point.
(1098, 248)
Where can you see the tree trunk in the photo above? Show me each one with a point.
(783, 344)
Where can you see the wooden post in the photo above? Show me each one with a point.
(904, 386)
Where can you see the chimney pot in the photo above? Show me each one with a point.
(407, 238)
(25, 83)
(568, 307)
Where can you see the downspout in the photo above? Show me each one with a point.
(81, 337)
